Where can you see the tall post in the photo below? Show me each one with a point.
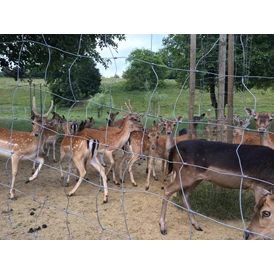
(221, 92)
(191, 85)
(230, 94)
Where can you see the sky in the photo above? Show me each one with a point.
(133, 41)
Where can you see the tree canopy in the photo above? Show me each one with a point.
(142, 72)
(68, 61)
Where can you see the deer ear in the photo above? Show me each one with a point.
(180, 118)
(250, 111)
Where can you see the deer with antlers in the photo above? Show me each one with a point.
(88, 142)
(153, 145)
(20, 145)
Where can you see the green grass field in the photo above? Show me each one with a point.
(15, 101)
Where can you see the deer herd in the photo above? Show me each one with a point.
(245, 163)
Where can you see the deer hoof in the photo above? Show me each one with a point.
(116, 183)
(13, 198)
(147, 188)
(164, 232)
(156, 178)
(28, 180)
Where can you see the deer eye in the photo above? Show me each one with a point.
(266, 214)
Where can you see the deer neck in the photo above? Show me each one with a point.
(169, 141)
(124, 134)
(265, 139)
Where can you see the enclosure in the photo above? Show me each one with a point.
(214, 80)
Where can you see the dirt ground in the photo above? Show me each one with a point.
(131, 212)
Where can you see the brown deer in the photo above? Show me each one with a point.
(263, 123)
(225, 165)
(138, 146)
(196, 120)
(50, 133)
(87, 124)
(141, 145)
(111, 121)
(86, 143)
(20, 145)
(262, 223)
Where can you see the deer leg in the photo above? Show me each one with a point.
(53, 151)
(164, 166)
(168, 191)
(62, 155)
(79, 163)
(102, 160)
(33, 168)
(173, 187)
(150, 164)
(153, 170)
(112, 166)
(121, 177)
(14, 166)
(35, 175)
(132, 160)
(96, 164)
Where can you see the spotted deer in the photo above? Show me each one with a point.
(20, 145)
(225, 165)
(138, 146)
(88, 142)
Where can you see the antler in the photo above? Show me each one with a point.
(34, 109)
(50, 109)
(129, 107)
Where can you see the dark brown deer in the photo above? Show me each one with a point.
(262, 223)
(225, 165)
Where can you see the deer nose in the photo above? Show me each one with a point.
(262, 129)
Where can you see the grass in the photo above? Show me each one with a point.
(223, 204)
(17, 94)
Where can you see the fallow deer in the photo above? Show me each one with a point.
(87, 124)
(139, 146)
(111, 121)
(107, 142)
(196, 120)
(262, 223)
(225, 165)
(20, 145)
(263, 123)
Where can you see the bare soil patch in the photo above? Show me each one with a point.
(131, 212)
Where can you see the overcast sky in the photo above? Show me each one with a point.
(133, 41)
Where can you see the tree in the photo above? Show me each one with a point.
(99, 101)
(140, 73)
(254, 56)
(67, 60)
(83, 81)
